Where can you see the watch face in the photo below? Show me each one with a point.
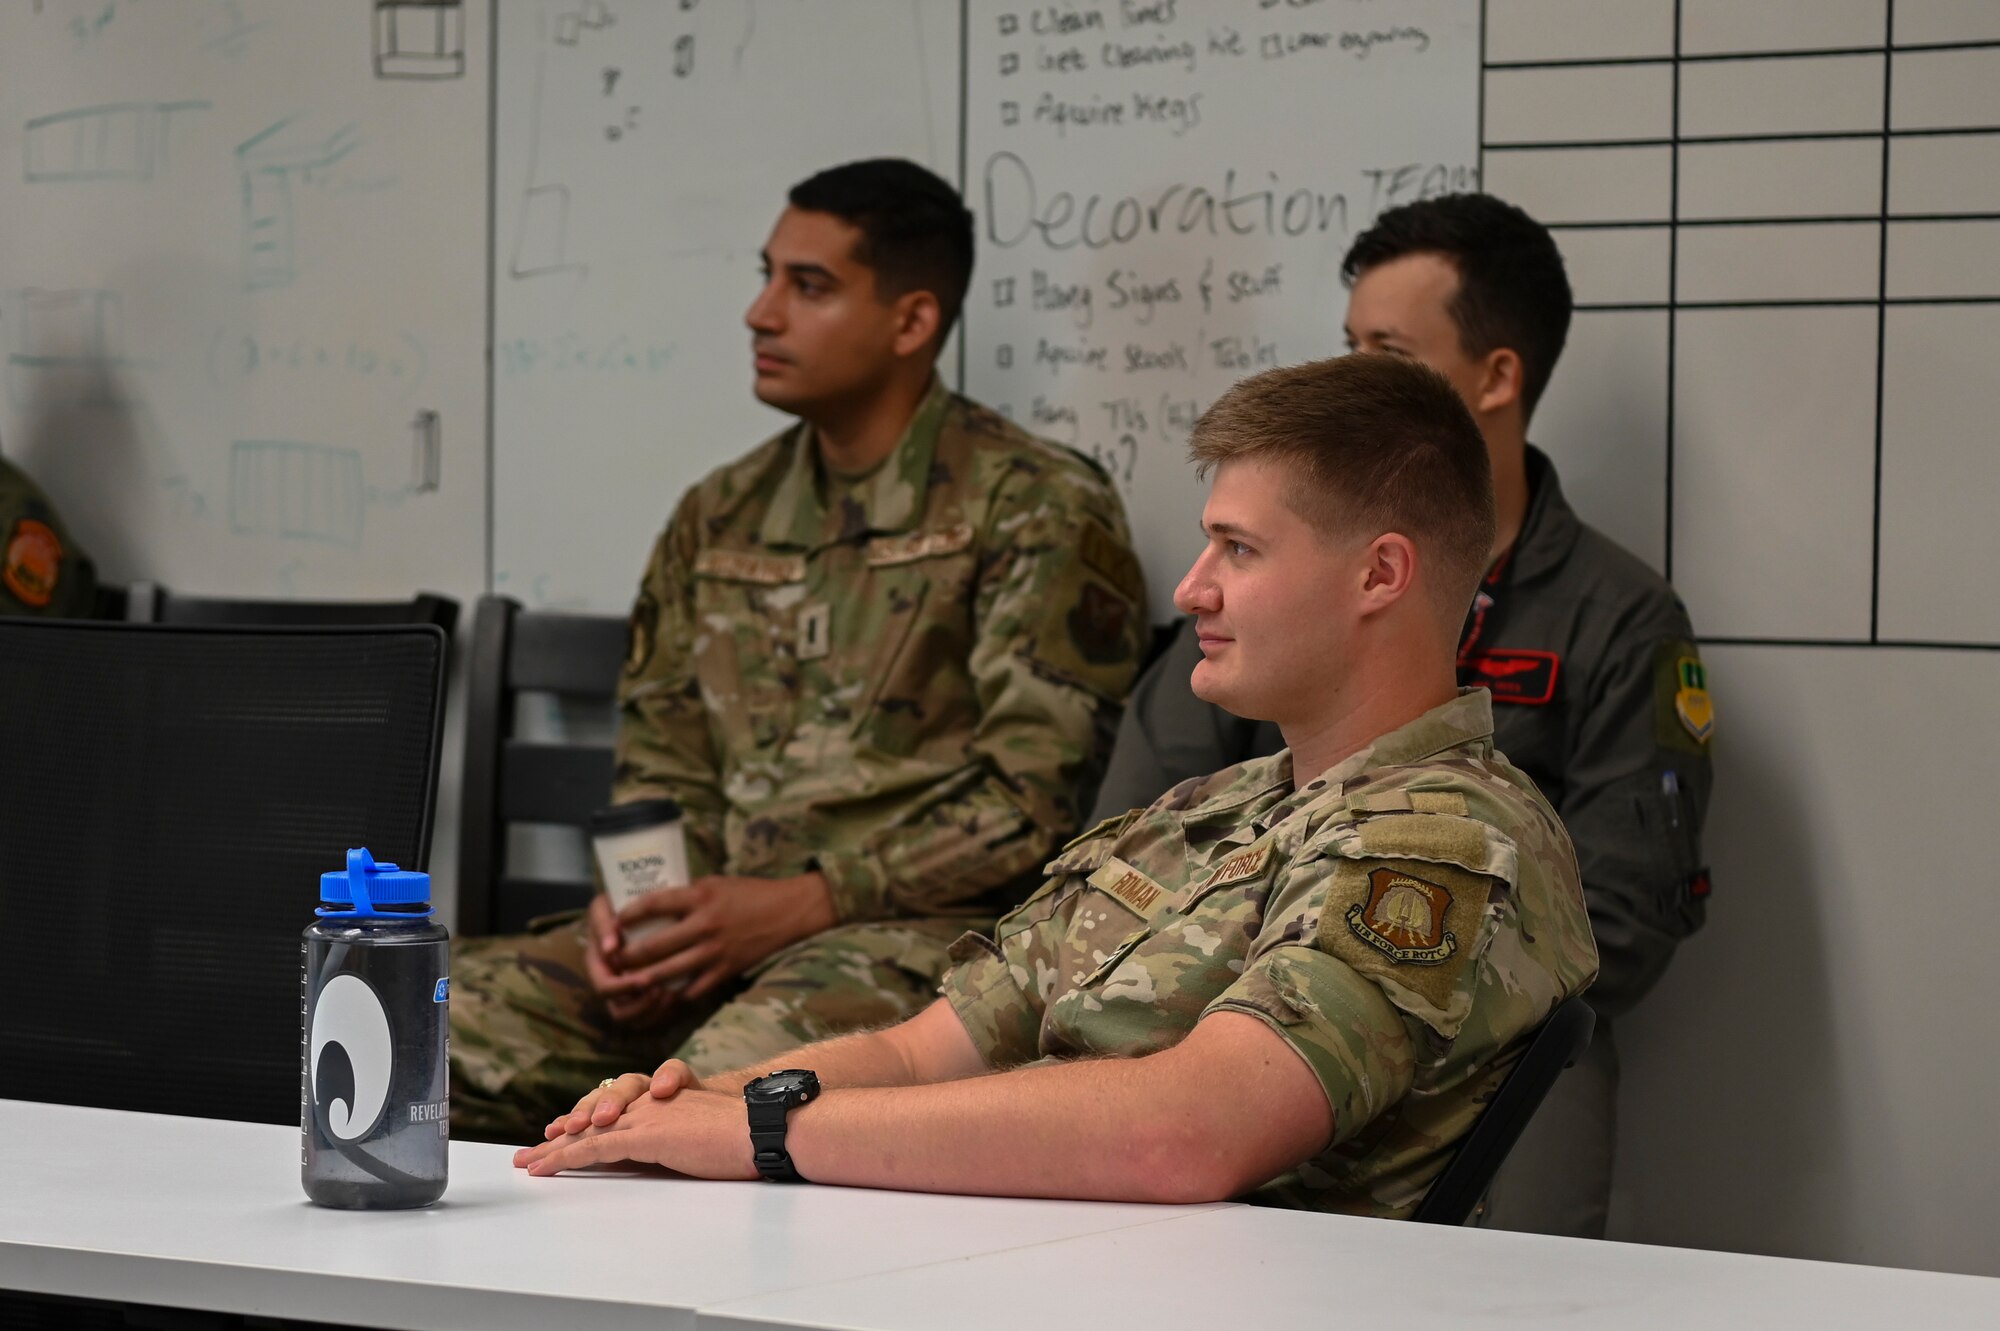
(788, 1083)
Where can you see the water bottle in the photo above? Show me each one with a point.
(374, 1106)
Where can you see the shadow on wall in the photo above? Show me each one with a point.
(1737, 1046)
(88, 456)
(80, 367)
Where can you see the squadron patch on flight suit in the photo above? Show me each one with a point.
(1514, 675)
(1683, 710)
(32, 563)
(1692, 703)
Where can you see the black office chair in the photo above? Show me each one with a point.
(150, 603)
(512, 779)
(1559, 1043)
(168, 800)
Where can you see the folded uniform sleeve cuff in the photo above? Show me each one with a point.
(1341, 1025)
(991, 1005)
(857, 885)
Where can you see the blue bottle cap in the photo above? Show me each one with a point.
(366, 885)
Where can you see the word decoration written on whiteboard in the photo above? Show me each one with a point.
(1164, 191)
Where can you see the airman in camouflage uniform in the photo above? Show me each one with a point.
(42, 571)
(1297, 980)
(907, 681)
(1404, 921)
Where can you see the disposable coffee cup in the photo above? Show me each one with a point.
(641, 847)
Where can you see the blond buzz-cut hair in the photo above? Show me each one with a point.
(1370, 444)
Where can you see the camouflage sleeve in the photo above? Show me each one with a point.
(1635, 794)
(664, 746)
(1167, 734)
(1367, 964)
(1060, 632)
(1000, 986)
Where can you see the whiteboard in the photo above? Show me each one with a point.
(241, 289)
(1248, 144)
(1164, 194)
(643, 152)
(1783, 226)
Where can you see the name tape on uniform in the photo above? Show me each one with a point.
(1138, 892)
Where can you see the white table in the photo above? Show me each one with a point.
(196, 1213)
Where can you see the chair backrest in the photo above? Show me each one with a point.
(150, 603)
(1559, 1043)
(511, 778)
(168, 799)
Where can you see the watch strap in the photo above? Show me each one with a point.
(767, 1143)
(769, 1111)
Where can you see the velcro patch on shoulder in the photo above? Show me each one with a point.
(1409, 801)
(1425, 836)
(1413, 927)
(750, 566)
(907, 549)
(1135, 890)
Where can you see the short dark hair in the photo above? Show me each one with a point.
(1372, 444)
(916, 233)
(1512, 290)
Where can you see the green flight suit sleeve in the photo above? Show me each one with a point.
(1636, 795)
(665, 747)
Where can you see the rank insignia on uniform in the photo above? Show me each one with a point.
(1514, 675)
(1692, 703)
(32, 562)
(815, 631)
(1404, 918)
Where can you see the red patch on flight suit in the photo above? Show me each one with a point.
(32, 563)
(1515, 675)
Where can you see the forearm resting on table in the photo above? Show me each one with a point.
(1169, 1127)
(930, 1047)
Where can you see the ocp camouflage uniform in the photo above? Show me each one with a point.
(906, 680)
(42, 571)
(1404, 921)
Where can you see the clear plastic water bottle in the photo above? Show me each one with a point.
(374, 1104)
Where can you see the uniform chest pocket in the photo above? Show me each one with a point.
(747, 605)
(900, 657)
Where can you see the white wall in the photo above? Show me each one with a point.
(1814, 1076)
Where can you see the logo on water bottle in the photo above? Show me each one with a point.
(351, 1057)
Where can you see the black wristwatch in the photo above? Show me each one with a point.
(769, 1100)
